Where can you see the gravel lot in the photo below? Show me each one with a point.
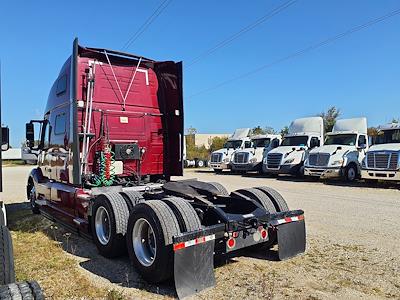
(353, 250)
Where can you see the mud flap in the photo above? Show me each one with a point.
(291, 239)
(194, 268)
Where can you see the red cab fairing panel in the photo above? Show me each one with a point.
(134, 107)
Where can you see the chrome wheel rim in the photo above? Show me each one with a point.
(351, 174)
(102, 225)
(144, 243)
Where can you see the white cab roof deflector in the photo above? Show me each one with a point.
(306, 126)
(355, 125)
(240, 133)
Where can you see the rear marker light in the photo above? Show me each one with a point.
(264, 234)
(235, 234)
(231, 243)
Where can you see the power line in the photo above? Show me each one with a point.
(236, 35)
(146, 24)
(302, 51)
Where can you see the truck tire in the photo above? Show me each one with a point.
(200, 163)
(185, 214)
(220, 188)
(260, 197)
(7, 272)
(132, 198)
(279, 202)
(109, 224)
(350, 173)
(26, 290)
(151, 226)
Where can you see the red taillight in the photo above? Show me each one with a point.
(264, 234)
(235, 234)
(231, 243)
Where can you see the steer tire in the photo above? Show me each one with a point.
(260, 197)
(185, 214)
(132, 198)
(350, 173)
(220, 188)
(164, 224)
(277, 199)
(26, 290)
(7, 271)
(117, 211)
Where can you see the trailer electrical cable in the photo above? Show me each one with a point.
(236, 35)
(301, 52)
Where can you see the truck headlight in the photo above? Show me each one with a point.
(253, 160)
(338, 162)
(226, 160)
(289, 161)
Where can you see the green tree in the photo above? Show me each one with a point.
(257, 130)
(372, 131)
(217, 143)
(284, 131)
(330, 117)
(269, 130)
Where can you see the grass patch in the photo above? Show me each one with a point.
(39, 257)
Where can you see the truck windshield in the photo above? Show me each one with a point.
(233, 144)
(389, 137)
(260, 143)
(295, 141)
(341, 139)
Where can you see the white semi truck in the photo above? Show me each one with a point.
(251, 158)
(221, 159)
(304, 135)
(383, 158)
(342, 153)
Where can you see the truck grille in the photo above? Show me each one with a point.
(241, 158)
(216, 157)
(319, 159)
(383, 160)
(274, 160)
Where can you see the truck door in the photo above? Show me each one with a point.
(62, 193)
(170, 100)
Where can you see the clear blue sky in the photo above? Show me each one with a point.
(360, 73)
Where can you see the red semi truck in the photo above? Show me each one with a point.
(109, 142)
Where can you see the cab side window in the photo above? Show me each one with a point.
(61, 85)
(60, 124)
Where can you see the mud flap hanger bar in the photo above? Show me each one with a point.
(194, 260)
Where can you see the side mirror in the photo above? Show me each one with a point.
(30, 135)
(362, 147)
(5, 138)
(315, 143)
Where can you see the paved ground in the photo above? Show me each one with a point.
(353, 249)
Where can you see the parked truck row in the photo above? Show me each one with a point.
(347, 152)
